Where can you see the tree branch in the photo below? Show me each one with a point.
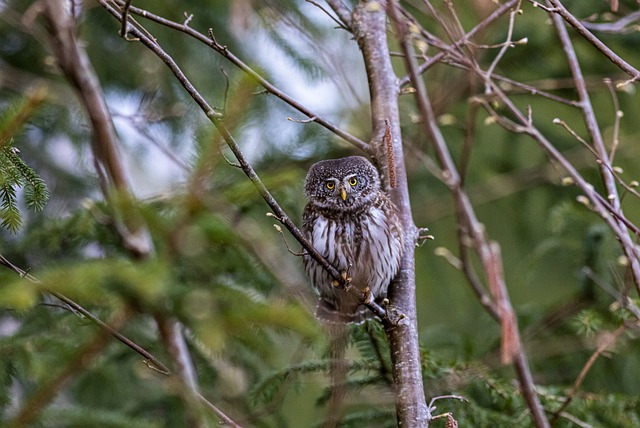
(246, 167)
(487, 250)
(558, 8)
(224, 51)
(369, 28)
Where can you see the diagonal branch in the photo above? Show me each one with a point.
(75, 63)
(77, 67)
(487, 250)
(558, 8)
(211, 41)
(244, 164)
(593, 129)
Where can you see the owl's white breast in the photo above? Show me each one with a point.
(368, 251)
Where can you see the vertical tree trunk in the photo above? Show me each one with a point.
(369, 27)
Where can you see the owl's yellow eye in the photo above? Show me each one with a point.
(353, 181)
(330, 185)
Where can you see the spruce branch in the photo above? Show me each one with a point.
(14, 174)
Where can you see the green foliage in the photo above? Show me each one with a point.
(14, 172)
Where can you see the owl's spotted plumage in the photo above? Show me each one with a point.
(356, 227)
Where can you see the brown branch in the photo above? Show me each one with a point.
(76, 66)
(244, 164)
(610, 339)
(621, 26)
(606, 170)
(125, 15)
(468, 222)
(150, 361)
(450, 48)
(224, 51)
(342, 11)
(370, 30)
(559, 9)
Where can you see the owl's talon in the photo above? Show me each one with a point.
(344, 275)
(423, 237)
(335, 283)
(368, 297)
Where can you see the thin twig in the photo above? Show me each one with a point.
(246, 167)
(342, 11)
(615, 140)
(125, 14)
(224, 51)
(610, 339)
(467, 219)
(621, 26)
(468, 36)
(150, 360)
(507, 44)
(341, 24)
(558, 8)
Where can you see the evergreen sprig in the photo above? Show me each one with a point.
(14, 174)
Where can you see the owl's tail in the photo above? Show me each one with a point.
(327, 312)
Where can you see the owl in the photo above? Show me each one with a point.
(356, 227)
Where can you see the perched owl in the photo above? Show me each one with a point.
(356, 227)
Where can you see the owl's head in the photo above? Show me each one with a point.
(342, 184)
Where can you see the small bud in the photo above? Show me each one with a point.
(567, 181)
(618, 169)
(634, 183)
(447, 119)
(623, 261)
(583, 200)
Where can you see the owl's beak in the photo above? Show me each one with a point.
(343, 193)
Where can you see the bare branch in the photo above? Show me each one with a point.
(559, 9)
(621, 26)
(342, 11)
(609, 340)
(75, 64)
(468, 222)
(224, 51)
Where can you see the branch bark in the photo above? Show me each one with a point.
(473, 231)
(369, 28)
(76, 66)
